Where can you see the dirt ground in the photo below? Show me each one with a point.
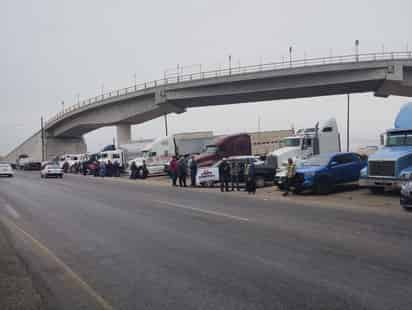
(345, 196)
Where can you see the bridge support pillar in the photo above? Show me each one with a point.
(58, 146)
(124, 133)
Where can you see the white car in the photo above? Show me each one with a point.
(6, 170)
(51, 170)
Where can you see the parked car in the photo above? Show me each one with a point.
(210, 175)
(6, 170)
(321, 173)
(51, 170)
(32, 165)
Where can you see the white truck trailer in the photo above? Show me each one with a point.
(159, 153)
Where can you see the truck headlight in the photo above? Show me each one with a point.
(364, 172)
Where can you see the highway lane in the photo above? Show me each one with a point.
(140, 246)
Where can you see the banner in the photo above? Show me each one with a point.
(205, 175)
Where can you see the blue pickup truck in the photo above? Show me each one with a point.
(322, 173)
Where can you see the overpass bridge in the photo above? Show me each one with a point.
(384, 74)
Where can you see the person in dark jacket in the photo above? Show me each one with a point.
(173, 167)
(182, 171)
(116, 169)
(224, 175)
(96, 168)
(193, 171)
(133, 171)
(250, 178)
(109, 169)
(102, 169)
(65, 167)
(145, 171)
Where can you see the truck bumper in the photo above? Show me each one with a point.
(388, 184)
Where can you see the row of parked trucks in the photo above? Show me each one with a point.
(209, 149)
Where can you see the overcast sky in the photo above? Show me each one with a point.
(53, 50)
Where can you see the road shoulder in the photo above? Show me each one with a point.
(17, 286)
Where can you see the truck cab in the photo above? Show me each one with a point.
(392, 163)
(225, 146)
(388, 166)
(321, 139)
(115, 156)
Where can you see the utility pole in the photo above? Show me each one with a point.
(347, 123)
(42, 138)
(230, 64)
(166, 129)
(290, 56)
(63, 106)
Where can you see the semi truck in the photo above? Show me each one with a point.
(389, 166)
(321, 139)
(225, 146)
(159, 153)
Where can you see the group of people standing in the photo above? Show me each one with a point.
(229, 172)
(179, 169)
(140, 172)
(236, 172)
(103, 169)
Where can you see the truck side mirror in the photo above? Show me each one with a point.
(382, 138)
(333, 163)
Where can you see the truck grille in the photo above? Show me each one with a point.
(382, 168)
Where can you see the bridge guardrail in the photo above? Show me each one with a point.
(230, 71)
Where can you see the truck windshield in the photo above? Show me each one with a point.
(211, 149)
(145, 154)
(399, 138)
(290, 142)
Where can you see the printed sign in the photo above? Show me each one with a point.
(205, 175)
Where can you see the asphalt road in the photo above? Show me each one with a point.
(111, 244)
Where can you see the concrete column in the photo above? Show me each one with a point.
(124, 133)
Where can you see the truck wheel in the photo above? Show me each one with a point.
(407, 209)
(323, 186)
(377, 190)
(260, 182)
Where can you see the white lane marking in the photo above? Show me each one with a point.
(12, 211)
(209, 212)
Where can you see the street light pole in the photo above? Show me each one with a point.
(230, 64)
(166, 129)
(63, 106)
(347, 123)
(290, 56)
(357, 50)
(42, 138)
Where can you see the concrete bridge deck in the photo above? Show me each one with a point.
(383, 74)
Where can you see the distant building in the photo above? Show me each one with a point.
(264, 142)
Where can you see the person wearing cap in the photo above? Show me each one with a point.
(291, 172)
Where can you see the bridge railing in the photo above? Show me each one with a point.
(231, 71)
